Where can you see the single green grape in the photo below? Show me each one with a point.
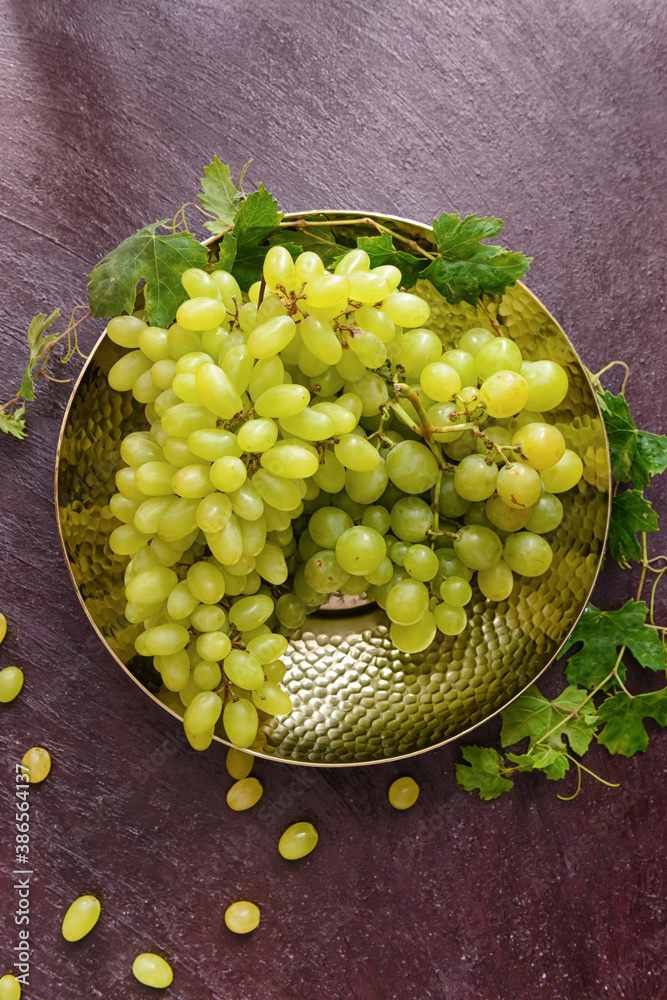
(241, 722)
(152, 970)
(242, 917)
(37, 762)
(412, 467)
(10, 988)
(244, 794)
(271, 698)
(81, 917)
(238, 764)
(414, 638)
(360, 550)
(297, 841)
(545, 515)
(11, 682)
(456, 590)
(564, 474)
(528, 554)
(420, 561)
(450, 619)
(403, 793)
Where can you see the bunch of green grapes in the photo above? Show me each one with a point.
(315, 439)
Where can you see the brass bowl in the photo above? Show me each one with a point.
(358, 700)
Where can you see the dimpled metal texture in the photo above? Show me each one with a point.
(356, 698)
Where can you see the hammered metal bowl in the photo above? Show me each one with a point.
(358, 700)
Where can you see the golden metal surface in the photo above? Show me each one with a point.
(358, 700)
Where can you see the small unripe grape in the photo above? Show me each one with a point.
(37, 763)
(297, 841)
(81, 917)
(11, 682)
(403, 793)
(242, 917)
(10, 988)
(244, 793)
(152, 970)
(238, 764)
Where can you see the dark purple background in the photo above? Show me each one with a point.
(549, 114)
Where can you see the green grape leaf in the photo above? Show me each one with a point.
(27, 387)
(240, 251)
(13, 423)
(226, 253)
(220, 195)
(482, 773)
(37, 342)
(631, 513)
(466, 267)
(381, 250)
(257, 217)
(532, 715)
(602, 633)
(158, 258)
(636, 455)
(623, 716)
(553, 762)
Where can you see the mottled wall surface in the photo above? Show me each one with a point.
(549, 115)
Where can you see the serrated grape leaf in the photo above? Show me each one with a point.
(631, 513)
(381, 250)
(13, 423)
(221, 196)
(636, 455)
(37, 341)
(482, 772)
(257, 218)
(533, 716)
(602, 633)
(624, 731)
(226, 253)
(158, 258)
(466, 267)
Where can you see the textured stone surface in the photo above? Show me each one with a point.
(549, 115)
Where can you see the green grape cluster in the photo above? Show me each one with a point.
(316, 437)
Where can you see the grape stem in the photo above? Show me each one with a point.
(45, 355)
(500, 448)
(595, 379)
(492, 321)
(306, 224)
(426, 429)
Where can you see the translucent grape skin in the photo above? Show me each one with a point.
(81, 917)
(152, 970)
(403, 793)
(244, 794)
(242, 917)
(11, 682)
(37, 763)
(10, 988)
(297, 841)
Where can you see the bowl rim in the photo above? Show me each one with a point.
(425, 228)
